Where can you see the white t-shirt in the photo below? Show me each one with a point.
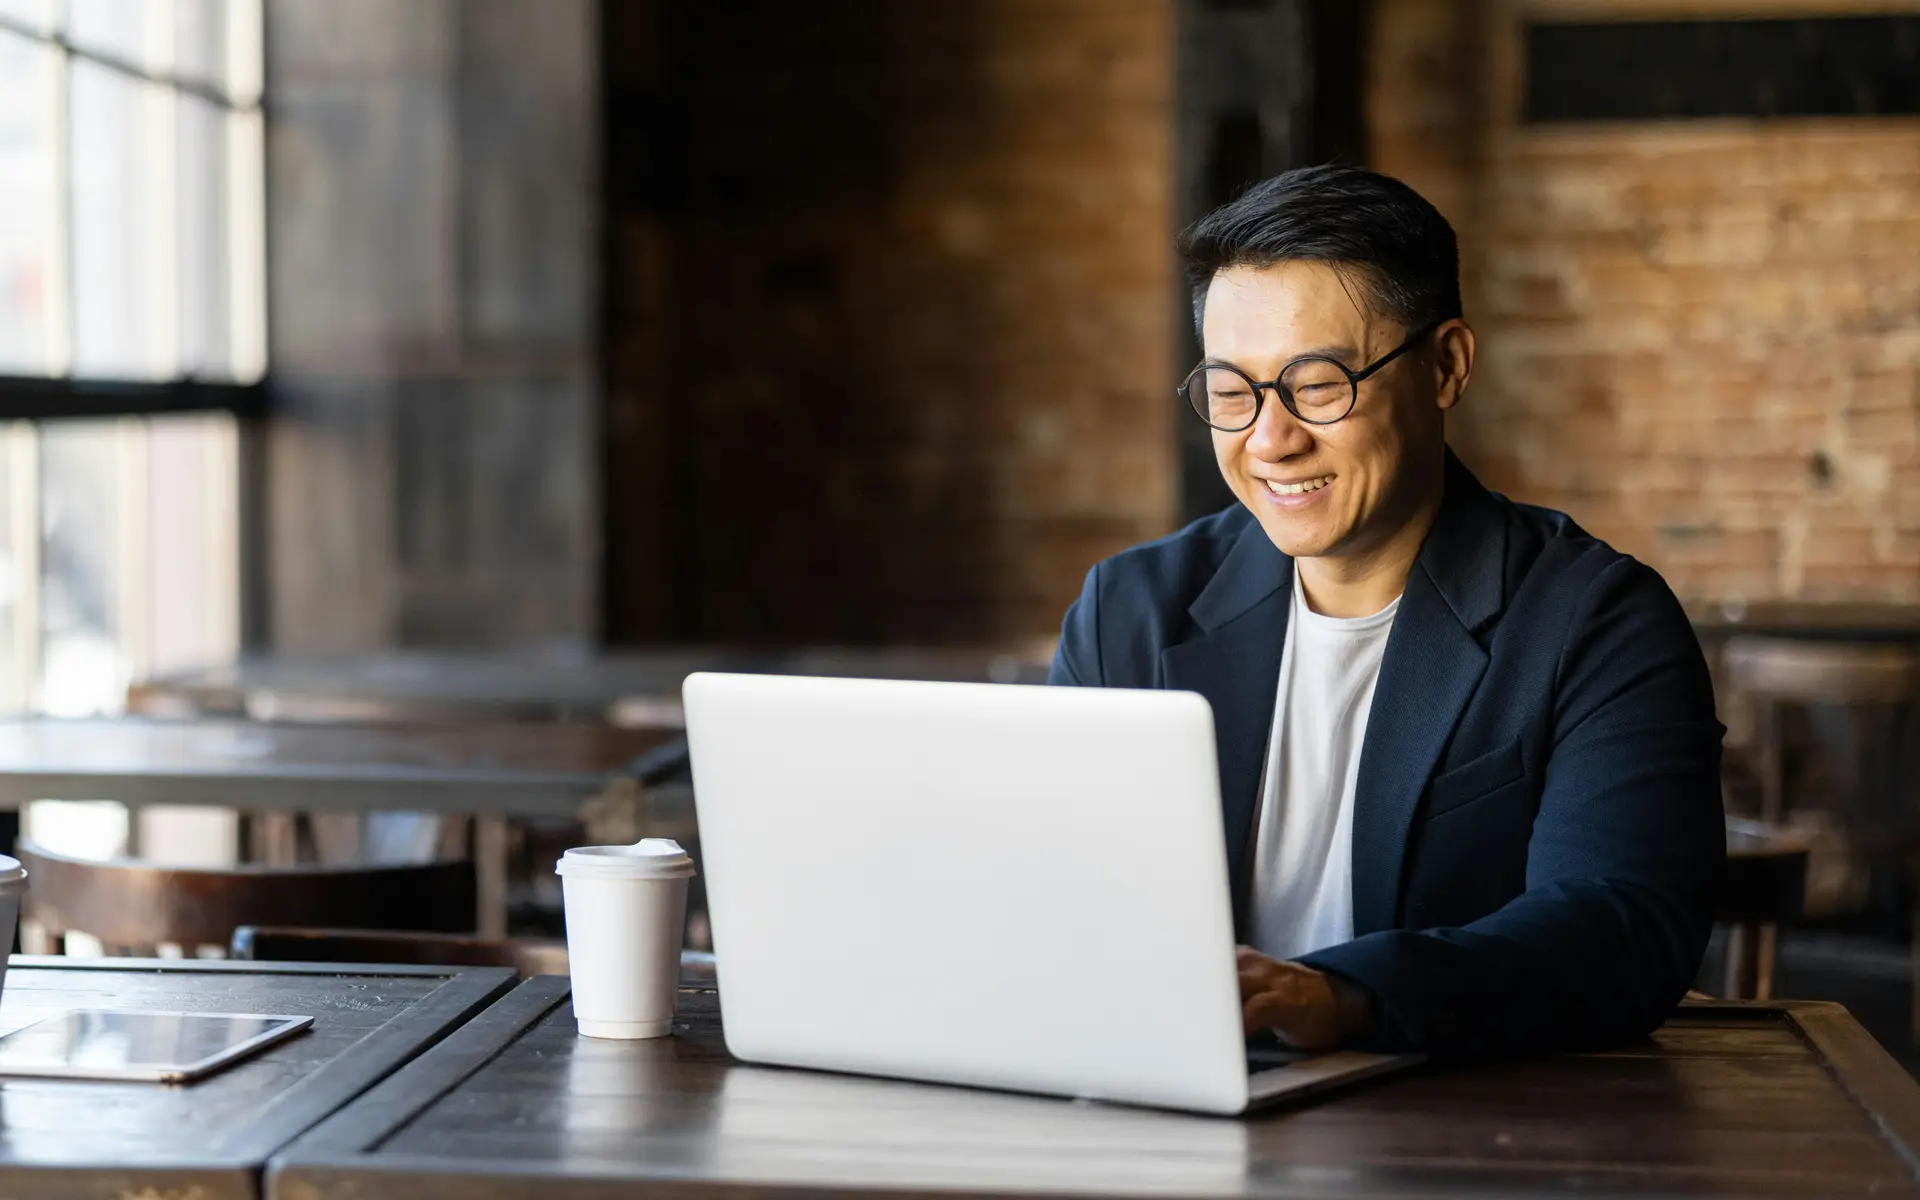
(1302, 894)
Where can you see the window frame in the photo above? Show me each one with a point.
(71, 396)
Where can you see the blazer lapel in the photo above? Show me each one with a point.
(1432, 665)
(1235, 664)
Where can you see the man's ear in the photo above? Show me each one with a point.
(1452, 363)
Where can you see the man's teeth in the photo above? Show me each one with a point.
(1295, 489)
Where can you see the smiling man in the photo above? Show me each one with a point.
(1468, 754)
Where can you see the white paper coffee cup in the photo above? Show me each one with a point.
(626, 912)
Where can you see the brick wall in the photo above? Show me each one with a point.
(1702, 339)
(902, 322)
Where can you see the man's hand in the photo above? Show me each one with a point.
(1306, 1008)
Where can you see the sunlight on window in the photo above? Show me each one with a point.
(131, 251)
(27, 188)
(81, 668)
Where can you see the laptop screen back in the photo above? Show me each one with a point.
(1005, 886)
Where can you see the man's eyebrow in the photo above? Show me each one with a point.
(1343, 354)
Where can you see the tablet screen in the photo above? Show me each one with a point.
(168, 1046)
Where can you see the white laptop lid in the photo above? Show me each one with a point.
(1013, 887)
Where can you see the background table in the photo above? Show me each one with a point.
(507, 769)
(1788, 1099)
(641, 686)
(211, 1139)
(489, 771)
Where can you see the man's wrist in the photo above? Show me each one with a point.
(1354, 1004)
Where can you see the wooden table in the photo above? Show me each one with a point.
(506, 769)
(210, 1140)
(492, 772)
(1784, 1099)
(641, 686)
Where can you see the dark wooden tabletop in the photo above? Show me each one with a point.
(210, 1139)
(1791, 1099)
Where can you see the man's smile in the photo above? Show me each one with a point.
(1298, 487)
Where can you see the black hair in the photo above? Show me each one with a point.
(1373, 228)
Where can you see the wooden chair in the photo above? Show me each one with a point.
(133, 906)
(1875, 687)
(1876, 683)
(527, 956)
(1764, 888)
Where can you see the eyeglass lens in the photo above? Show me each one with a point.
(1317, 390)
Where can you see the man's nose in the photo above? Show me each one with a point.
(1277, 433)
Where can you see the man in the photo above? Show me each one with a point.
(1468, 753)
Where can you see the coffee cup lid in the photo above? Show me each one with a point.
(12, 874)
(649, 858)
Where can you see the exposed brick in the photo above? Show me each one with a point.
(922, 305)
(1702, 339)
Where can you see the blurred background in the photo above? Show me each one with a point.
(340, 330)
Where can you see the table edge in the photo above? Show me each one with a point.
(352, 1131)
(236, 966)
(203, 1179)
(379, 1055)
(335, 1084)
(1873, 1078)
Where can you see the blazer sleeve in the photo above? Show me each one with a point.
(1622, 869)
(1076, 660)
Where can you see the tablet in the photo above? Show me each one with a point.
(163, 1047)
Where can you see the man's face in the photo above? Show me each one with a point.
(1259, 319)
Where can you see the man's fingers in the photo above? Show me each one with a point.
(1295, 1002)
(1267, 976)
(1258, 973)
(1265, 1010)
(1259, 983)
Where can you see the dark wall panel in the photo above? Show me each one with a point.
(1660, 70)
(430, 467)
(888, 311)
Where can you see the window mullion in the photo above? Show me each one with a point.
(21, 443)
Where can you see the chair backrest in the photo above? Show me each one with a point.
(136, 905)
(527, 956)
(1821, 672)
(1874, 685)
(1766, 878)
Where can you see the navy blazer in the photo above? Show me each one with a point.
(1537, 830)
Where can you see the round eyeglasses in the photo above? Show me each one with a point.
(1319, 391)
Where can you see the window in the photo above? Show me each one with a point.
(132, 335)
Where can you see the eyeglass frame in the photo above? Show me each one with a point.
(1354, 380)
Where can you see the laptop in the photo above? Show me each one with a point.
(993, 885)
